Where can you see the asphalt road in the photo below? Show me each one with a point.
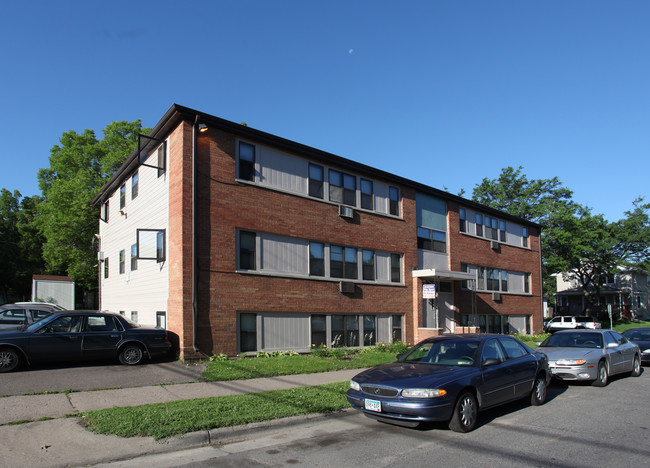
(579, 426)
(93, 376)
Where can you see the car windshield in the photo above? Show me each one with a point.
(640, 335)
(574, 340)
(443, 353)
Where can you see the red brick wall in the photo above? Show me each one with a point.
(476, 251)
(226, 205)
(179, 250)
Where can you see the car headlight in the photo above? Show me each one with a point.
(423, 392)
(354, 385)
(646, 351)
(570, 362)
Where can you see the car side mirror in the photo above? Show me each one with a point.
(490, 362)
(612, 345)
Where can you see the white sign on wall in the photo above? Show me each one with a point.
(428, 291)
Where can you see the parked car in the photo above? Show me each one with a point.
(45, 304)
(566, 322)
(451, 378)
(14, 316)
(640, 337)
(590, 355)
(75, 335)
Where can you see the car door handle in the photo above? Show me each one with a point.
(115, 336)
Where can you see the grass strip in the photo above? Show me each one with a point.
(164, 420)
(250, 368)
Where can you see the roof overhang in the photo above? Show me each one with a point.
(445, 275)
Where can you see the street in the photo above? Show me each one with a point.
(579, 426)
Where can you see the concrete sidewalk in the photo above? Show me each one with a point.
(63, 442)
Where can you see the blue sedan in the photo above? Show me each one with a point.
(450, 378)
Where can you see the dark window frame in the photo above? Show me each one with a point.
(246, 167)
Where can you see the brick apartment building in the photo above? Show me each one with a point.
(241, 241)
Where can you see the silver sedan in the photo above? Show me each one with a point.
(590, 355)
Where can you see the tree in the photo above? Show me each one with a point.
(20, 244)
(79, 167)
(573, 240)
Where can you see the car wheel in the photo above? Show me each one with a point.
(603, 376)
(538, 395)
(465, 413)
(9, 359)
(131, 355)
(636, 367)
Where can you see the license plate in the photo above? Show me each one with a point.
(373, 405)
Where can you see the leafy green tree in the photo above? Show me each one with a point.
(20, 244)
(573, 240)
(79, 167)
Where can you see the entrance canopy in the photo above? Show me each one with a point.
(445, 275)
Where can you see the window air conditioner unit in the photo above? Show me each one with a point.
(496, 297)
(346, 287)
(346, 211)
(496, 246)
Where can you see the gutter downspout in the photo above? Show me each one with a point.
(195, 275)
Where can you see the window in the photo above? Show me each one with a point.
(343, 262)
(495, 229)
(343, 188)
(246, 161)
(248, 332)
(122, 196)
(479, 224)
(134, 185)
(369, 326)
(104, 213)
(134, 316)
(481, 279)
(318, 331)
(512, 348)
(609, 279)
(345, 330)
(368, 264)
(395, 268)
(366, 194)
(161, 319)
(162, 160)
(121, 262)
(502, 231)
(504, 280)
(160, 246)
(429, 239)
(527, 282)
(315, 181)
(397, 328)
(316, 259)
(524, 238)
(134, 257)
(394, 200)
(463, 220)
(106, 267)
(247, 241)
(492, 350)
(487, 227)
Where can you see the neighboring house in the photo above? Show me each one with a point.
(241, 241)
(54, 289)
(625, 292)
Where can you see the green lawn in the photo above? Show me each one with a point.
(163, 420)
(252, 367)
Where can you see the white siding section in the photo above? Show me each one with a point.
(516, 282)
(383, 266)
(285, 332)
(381, 197)
(282, 171)
(428, 259)
(145, 290)
(284, 255)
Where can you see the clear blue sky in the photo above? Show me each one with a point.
(441, 92)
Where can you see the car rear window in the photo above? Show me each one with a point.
(584, 319)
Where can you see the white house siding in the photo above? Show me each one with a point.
(146, 289)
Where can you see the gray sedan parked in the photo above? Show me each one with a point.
(590, 355)
(14, 316)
